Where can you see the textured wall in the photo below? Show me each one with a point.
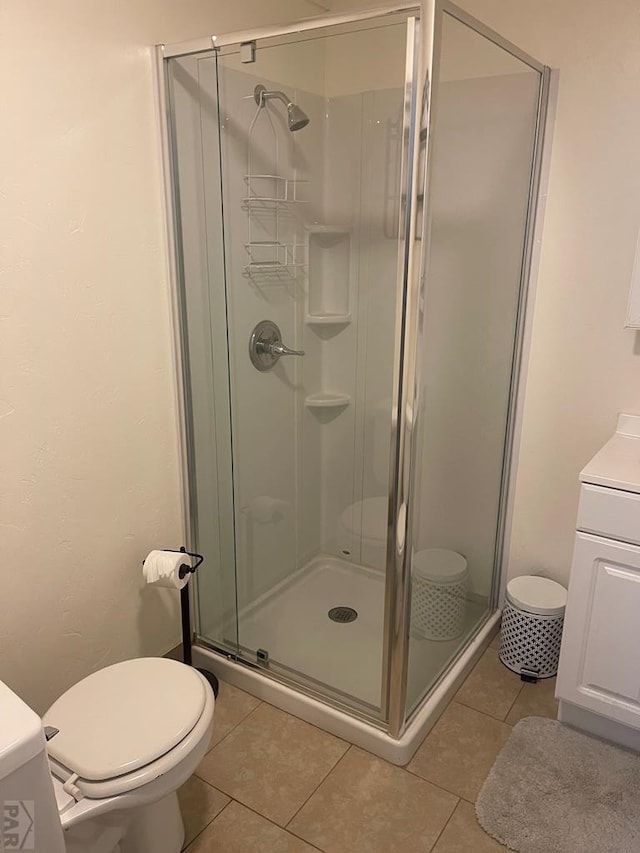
(584, 366)
(88, 458)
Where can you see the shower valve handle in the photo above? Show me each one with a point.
(282, 349)
(266, 347)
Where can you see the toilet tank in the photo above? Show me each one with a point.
(28, 812)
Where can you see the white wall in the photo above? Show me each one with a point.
(584, 367)
(88, 466)
(480, 183)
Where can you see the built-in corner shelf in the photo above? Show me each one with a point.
(329, 259)
(331, 233)
(327, 400)
(327, 319)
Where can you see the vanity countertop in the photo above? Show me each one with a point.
(617, 464)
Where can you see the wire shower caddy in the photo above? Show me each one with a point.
(271, 203)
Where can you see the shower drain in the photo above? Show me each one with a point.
(343, 614)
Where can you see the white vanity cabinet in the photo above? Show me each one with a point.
(598, 681)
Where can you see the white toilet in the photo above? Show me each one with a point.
(128, 737)
(366, 523)
(363, 526)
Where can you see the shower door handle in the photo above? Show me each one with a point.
(266, 347)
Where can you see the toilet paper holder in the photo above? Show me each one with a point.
(186, 569)
(185, 612)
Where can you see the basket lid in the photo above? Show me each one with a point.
(540, 596)
(440, 565)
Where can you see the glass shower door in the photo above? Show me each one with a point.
(290, 175)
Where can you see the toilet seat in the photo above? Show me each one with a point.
(124, 726)
(367, 519)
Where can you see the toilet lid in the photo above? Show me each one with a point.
(367, 518)
(125, 716)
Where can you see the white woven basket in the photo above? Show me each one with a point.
(439, 595)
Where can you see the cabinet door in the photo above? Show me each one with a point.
(600, 658)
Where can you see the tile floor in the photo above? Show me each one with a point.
(274, 784)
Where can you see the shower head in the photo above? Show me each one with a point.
(297, 117)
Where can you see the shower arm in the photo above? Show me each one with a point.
(297, 116)
(264, 95)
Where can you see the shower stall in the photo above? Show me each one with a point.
(352, 202)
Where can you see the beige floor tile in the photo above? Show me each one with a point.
(199, 804)
(490, 687)
(463, 834)
(495, 643)
(368, 806)
(239, 830)
(272, 762)
(535, 700)
(460, 750)
(232, 706)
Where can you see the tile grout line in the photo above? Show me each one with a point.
(304, 840)
(253, 811)
(273, 823)
(223, 809)
(231, 730)
(460, 797)
(246, 805)
(466, 705)
(234, 799)
(522, 683)
(513, 703)
(324, 778)
(439, 786)
(204, 781)
(484, 714)
(441, 833)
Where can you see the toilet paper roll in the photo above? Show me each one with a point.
(265, 509)
(162, 568)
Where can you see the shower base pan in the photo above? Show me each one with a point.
(294, 625)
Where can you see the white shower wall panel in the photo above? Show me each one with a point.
(361, 196)
(341, 191)
(265, 406)
(310, 466)
(380, 205)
